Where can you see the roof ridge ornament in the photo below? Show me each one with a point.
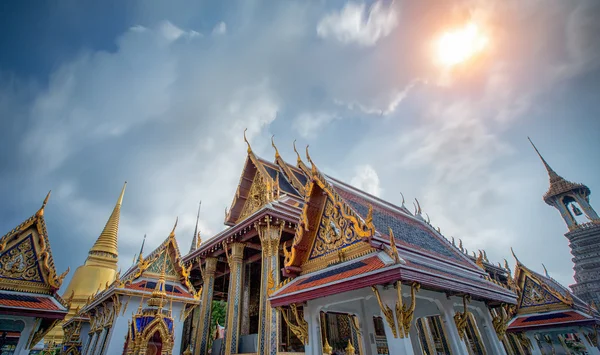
(273, 144)
(401, 194)
(312, 164)
(419, 206)
(141, 256)
(514, 256)
(172, 234)
(195, 242)
(246, 140)
(40, 212)
(545, 271)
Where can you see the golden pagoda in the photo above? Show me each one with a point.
(99, 270)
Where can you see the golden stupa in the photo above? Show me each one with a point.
(99, 269)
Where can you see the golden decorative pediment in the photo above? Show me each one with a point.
(26, 262)
(329, 228)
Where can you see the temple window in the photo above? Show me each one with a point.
(380, 339)
(574, 210)
(473, 338)
(432, 336)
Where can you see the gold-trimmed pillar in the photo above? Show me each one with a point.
(203, 329)
(234, 297)
(245, 321)
(268, 318)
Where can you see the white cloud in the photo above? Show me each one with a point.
(350, 25)
(308, 124)
(366, 179)
(220, 28)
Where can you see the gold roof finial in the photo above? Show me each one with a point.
(172, 234)
(419, 211)
(141, 257)
(298, 159)
(273, 144)
(395, 254)
(40, 212)
(545, 270)
(248, 143)
(159, 293)
(312, 165)
(196, 237)
(401, 194)
(514, 256)
(108, 239)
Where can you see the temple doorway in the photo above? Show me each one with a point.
(432, 335)
(341, 331)
(154, 344)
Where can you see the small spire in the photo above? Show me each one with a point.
(195, 242)
(40, 212)
(552, 175)
(273, 144)
(158, 295)
(141, 256)
(298, 159)
(312, 165)
(393, 247)
(172, 234)
(401, 194)
(248, 143)
(514, 256)
(108, 239)
(545, 270)
(419, 207)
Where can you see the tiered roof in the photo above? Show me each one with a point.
(544, 302)
(141, 278)
(296, 193)
(28, 280)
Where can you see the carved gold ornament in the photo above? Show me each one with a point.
(387, 312)
(500, 318)
(299, 327)
(404, 312)
(461, 319)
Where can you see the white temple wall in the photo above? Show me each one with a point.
(178, 327)
(119, 329)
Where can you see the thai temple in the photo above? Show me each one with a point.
(307, 264)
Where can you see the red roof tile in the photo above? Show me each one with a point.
(332, 274)
(547, 319)
(28, 301)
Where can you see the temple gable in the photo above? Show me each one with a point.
(534, 295)
(26, 262)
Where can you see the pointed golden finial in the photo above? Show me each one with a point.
(248, 143)
(428, 219)
(479, 260)
(545, 270)
(273, 144)
(369, 220)
(485, 256)
(40, 212)
(350, 350)
(401, 194)
(460, 246)
(419, 207)
(141, 256)
(453, 241)
(309, 159)
(159, 293)
(195, 242)
(172, 234)
(108, 239)
(298, 159)
(395, 254)
(514, 256)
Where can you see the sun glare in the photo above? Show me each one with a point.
(459, 45)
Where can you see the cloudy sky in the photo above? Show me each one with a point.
(158, 93)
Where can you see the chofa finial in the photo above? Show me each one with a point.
(299, 160)
(515, 256)
(401, 194)
(246, 140)
(419, 211)
(172, 234)
(273, 144)
(545, 270)
(40, 212)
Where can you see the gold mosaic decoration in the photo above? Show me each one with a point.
(297, 325)
(461, 319)
(19, 263)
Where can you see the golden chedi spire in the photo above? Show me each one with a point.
(99, 269)
(107, 241)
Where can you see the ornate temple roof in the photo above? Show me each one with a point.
(544, 302)
(141, 278)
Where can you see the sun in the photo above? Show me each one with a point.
(459, 45)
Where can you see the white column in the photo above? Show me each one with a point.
(535, 348)
(447, 312)
(367, 328)
(490, 332)
(21, 347)
(395, 345)
(311, 316)
(589, 347)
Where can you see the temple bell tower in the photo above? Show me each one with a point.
(572, 200)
